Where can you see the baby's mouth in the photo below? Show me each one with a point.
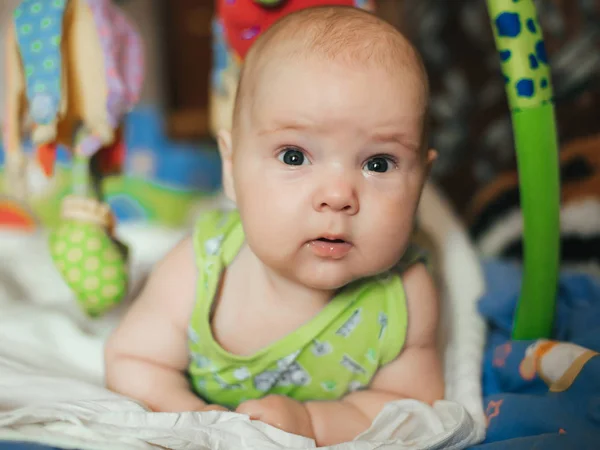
(330, 247)
(332, 241)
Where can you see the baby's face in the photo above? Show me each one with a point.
(328, 169)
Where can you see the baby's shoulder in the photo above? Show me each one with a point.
(210, 221)
(212, 228)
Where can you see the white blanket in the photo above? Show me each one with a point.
(51, 367)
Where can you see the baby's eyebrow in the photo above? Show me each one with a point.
(396, 138)
(285, 126)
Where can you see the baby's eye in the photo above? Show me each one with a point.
(292, 156)
(378, 164)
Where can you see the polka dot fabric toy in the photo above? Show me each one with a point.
(38, 25)
(89, 260)
(93, 42)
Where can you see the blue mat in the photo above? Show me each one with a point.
(14, 445)
(523, 413)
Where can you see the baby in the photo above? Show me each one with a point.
(301, 307)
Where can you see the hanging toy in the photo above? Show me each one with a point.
(520, 44)
(75, 69)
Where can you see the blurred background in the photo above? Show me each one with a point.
(172, 160)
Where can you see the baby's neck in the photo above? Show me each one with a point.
(276, 289)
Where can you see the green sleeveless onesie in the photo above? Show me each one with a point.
(361, 329)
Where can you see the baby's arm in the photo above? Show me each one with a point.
(416, 373)
(146, 357)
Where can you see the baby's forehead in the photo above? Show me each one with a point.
(333, 103)
(293, 103)
(369, 47)
(281, 71)
(305, 59)
(336, 37)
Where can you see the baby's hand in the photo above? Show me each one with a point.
(281, 412)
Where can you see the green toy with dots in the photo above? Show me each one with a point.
(90, 262)
(520, 44)
(87, 255)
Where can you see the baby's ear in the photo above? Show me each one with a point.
(225, 149)
(430, 158)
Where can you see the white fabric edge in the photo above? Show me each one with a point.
(464, 284)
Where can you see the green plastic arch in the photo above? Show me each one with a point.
(520, 44)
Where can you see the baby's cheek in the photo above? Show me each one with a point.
(391, 236)
(265, 233)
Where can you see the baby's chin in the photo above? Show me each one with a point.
(323, 274)
(331, 279)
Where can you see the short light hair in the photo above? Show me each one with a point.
(344, 34)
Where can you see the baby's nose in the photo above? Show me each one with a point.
(337, 195)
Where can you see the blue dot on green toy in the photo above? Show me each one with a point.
(508, 24)
(525, 87)
(533, 62)
(540, 51)
(505, 55)
(531, 25)
(544, 83)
